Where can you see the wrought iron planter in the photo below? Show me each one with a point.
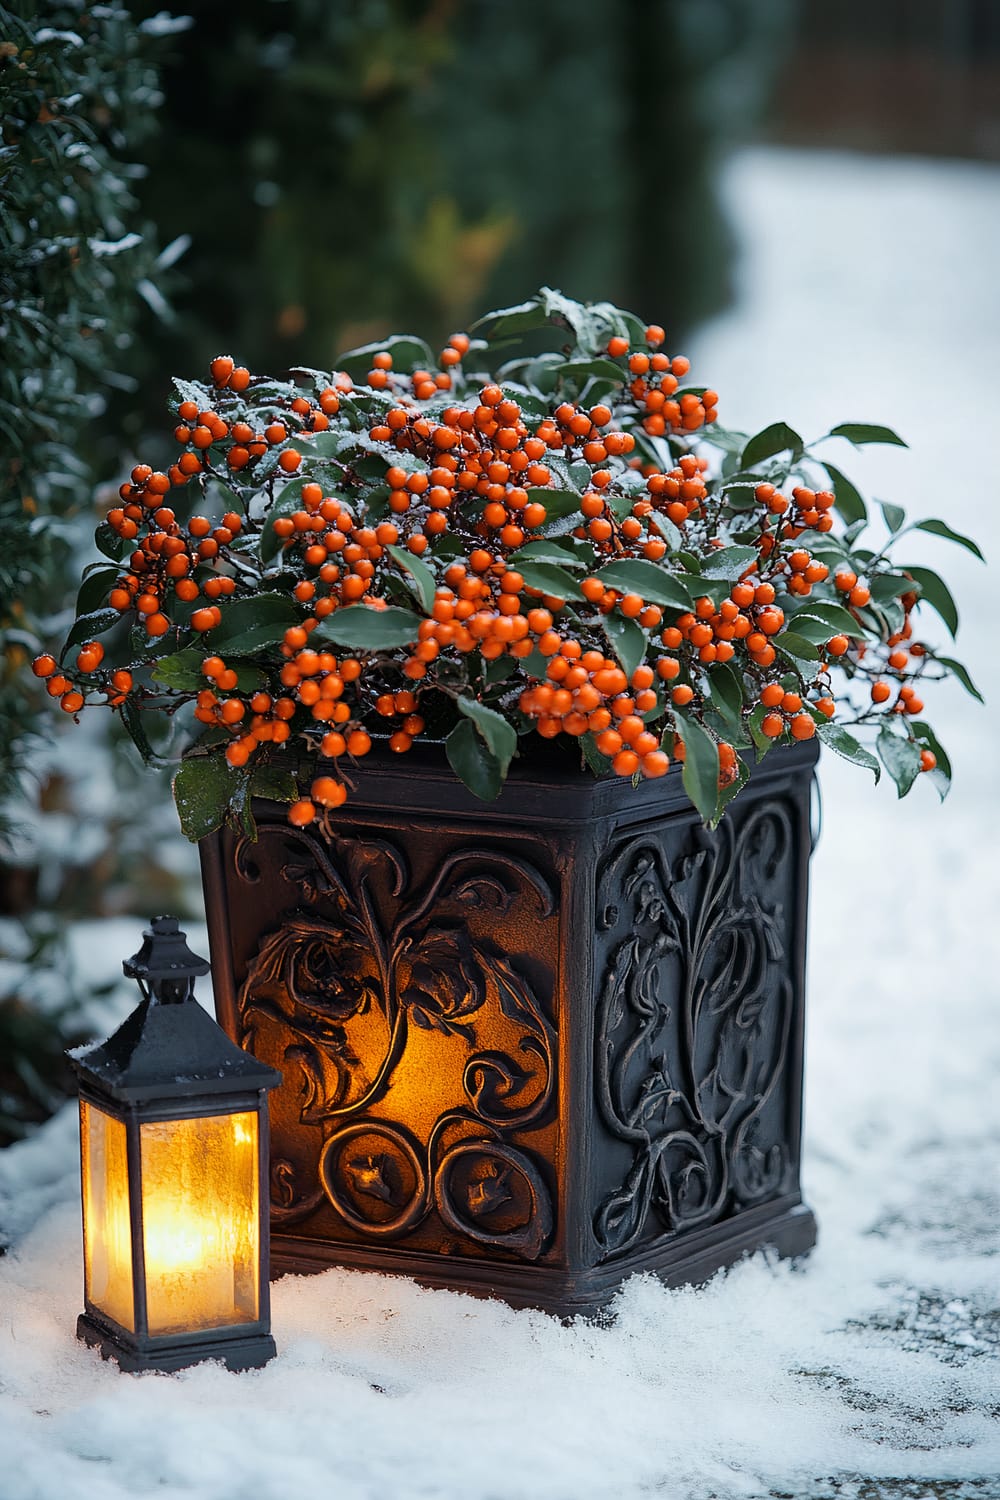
(532, 1046)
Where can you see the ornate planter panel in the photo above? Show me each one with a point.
(531, 1046)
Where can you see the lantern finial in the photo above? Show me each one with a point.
(164, 967)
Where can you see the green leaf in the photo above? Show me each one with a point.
(628, 641)
(111, 544)
(901, 758)
(181, 671)
(499, 735)
(795, 645)
(701, 765)
(715, 589)
(886, 586)
(769, 441)
(940, 528)
(367, 629)
(582, 370)
(552, 550)
(424, 582)
(726, 693)
(408, 353)
(941, 774)
(655, 584)
(836, 619)
(860, 433)
(273, 783)
(957, 670)
(89, 625)
(287, 502)
(95, 588)
(892, 515)
(550, 578)
(203, 789)
(510, 320)
(473, 762)
(729, 562)
(558, 503)
(598, 763)
(846, 745)
(131, 718)
(850, 501)
(937, 594)
(762, 741)
(251, 625)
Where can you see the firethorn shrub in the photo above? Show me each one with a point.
(560, 545)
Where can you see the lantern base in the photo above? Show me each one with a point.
(246, 1353)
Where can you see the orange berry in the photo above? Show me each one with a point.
(43, 666)
(301, 813)
(803, 727)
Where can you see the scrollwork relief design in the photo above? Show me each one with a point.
(693, 1024)
(371, 957)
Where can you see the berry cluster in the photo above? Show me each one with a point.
(563, 552)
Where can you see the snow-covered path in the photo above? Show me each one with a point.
(875, 1369)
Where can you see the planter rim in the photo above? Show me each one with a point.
(549, 787)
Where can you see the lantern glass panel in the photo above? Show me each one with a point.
(107, 1234)
(200, 1221)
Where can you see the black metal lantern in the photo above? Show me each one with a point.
(174, 1150)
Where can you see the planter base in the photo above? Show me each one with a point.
(529, 1047)
(789, 1231)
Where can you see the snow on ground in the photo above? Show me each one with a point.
(872, 1370)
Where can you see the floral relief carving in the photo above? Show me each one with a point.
(693, 1024)
(350, 982)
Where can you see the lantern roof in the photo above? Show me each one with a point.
(169, 1052)
(169, 1047)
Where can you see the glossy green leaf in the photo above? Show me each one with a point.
(850, 502)
(423, 580)
(860, 433)
(941, 528)
(274, 783)
(131, 717)
(287, 502)
(795, 645)
(111, 544)
(655, 584)
(778, 438)
(628, 641)
(962, 673)
(886, 586)
(473, 762)
(552, 550)
(940, 776)
(365, 629)
(701, 765)
(726, 693)
(729, 562)
(846, 745)
(499, 735)
(550, 578)
(937, 594)
(835, 617)
(182, 671)
(901, 758)
(89, 625)
(582, 370)
(204, 786)
(95, 588)
(251, 625)
(894, 516)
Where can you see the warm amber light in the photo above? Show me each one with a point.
(107, 1236)
(200, 1222)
